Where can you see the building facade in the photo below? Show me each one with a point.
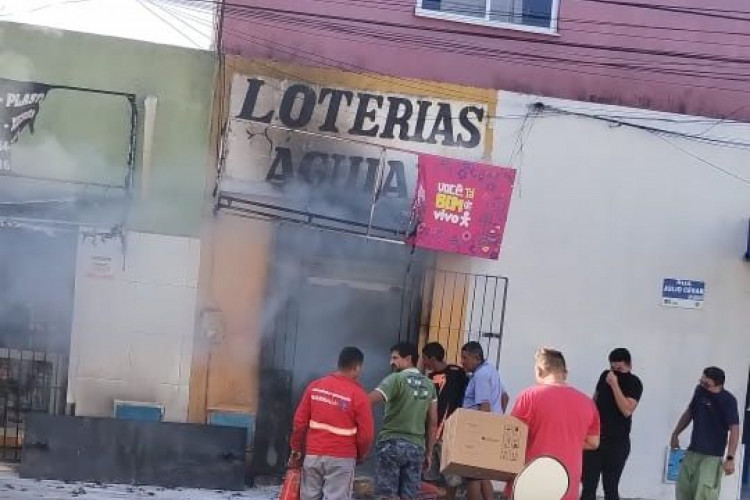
(102, 212)
(624, 123)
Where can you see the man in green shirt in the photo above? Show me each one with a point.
(406, 441)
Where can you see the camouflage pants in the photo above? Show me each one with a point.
(399, 469)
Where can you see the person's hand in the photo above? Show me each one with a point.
(728, 467)
(295, 460)
(674, 443)
(427, 463)
(612, 379)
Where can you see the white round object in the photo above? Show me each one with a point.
(544, 478)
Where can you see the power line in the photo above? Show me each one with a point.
(660, 133)
(710, 12)
(295, 52)
(376, 4)
(528, 60)
(452, 31)
(398, 6)
(613, 119)
(453, 47)
(697, 11)
(704, 161)
(166, 21)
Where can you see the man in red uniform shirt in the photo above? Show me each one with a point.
(562, 420)
(334, 422)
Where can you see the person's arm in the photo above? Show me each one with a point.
(625, 404)
(600, 384)
(376, 397)
(522, 408)
(385, 391)
(734, 439)
(682, 423)
(591, 441)
(430, 433)
(732, 417)
(365, 426)
(504, 400)
(300, 425)
(483, 391)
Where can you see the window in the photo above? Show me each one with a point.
(529, 15)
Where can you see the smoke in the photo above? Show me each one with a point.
(325, 289)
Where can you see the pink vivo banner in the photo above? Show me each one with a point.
(461, 207)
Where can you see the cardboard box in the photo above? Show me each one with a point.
(483, 445)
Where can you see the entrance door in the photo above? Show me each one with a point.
(37, 273)
(332, 316)
(338, 314)
(325, 291)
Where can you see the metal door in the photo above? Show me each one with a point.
(453, 308)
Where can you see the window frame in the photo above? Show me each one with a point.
(420, 11)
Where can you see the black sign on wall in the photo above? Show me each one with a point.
(19, 107)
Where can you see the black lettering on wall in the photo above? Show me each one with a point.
(424, 107)
(283, 159)
(443, 126)
(287, 103)
(364, 113)
(313, 167)
(251, 100)
(334, 105)
(398, 118)
(373, 164)
(475, 136)
(354, 167)
(395, 182)
(337, 171)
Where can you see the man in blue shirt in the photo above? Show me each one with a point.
(715, 417)
(485, 392)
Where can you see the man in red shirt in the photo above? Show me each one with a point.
(562, 420)
(334, 422)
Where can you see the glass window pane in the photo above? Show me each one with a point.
(537, 13)
(469, 8)
(506, 11)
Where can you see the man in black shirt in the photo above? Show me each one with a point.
(450, 383)
(617, 394)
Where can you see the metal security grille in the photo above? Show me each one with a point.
(454, 308)
(31, 381)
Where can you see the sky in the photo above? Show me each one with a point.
(183, 23)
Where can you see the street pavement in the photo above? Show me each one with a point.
(15, 488)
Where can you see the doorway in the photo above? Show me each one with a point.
(325, 291)
(37, 272)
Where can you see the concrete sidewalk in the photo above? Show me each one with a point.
(15, 488)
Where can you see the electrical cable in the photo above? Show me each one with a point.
(240, 35)
(699, 138)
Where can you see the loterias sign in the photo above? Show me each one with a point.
(323, 145)
(356, 113)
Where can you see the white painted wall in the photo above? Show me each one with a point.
(132, 333)
(600, 215)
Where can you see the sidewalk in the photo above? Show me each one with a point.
(12, 487)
